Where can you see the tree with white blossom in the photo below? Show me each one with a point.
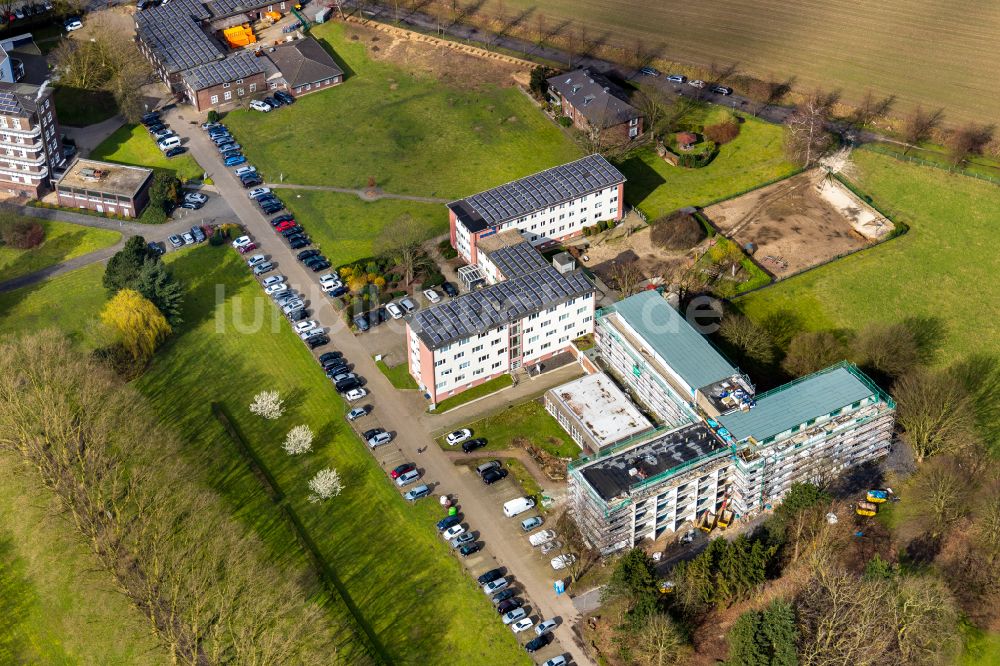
(268, 404)
(299, 440)
(325, 484)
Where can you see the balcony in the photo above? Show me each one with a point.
(33, 161)
(11, 142)
(33, 132)
(5, 174)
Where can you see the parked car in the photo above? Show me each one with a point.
(450, 289)
(242, 171)
(274, 288)
(284, 97)
(407, 478)
(494, 475)
(452, 532)
(487, 466)
(489, 576)
(504, 595)
(305, 254)
(462, 539)
(722, 90)
(292, 231)
(423, 490)
(562, 561)
(394, 311)
(192, 205)
(458, 436)
(72, 24)
(281, 226)
(258, 105)
(150, 118)
(175, 151)
(176, 240)
(522, 624)
(379, 438)
(163, 134)
(199, 235)
(545, 627)
(274, 279)
(431, 295)
(557, 660)
(508, 605)
(495, 586)
(473, 444)
(697, 83)
(337, 291)
(514, 615)
(538, 642)
(298, 315)
(286, 217)
(235, 160)
(550, 546)
(259, 269)
(469, 549)
(153, 128)
(677, 78)
(407, 304)
(243, 249)
(318, 341)
(529, 524)
(402, 469)
(297, 242)
(272, 208)
(195, 196)
(157, 248)
(449, 521)
(357, 413)
(541, 536)
(253, 181)
(355, 394)
(649, 71)
(319, 264)
(188, 239)
(304, 326)
(274, 104)
(258, 192)
(361, 321)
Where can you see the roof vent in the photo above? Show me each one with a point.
(88, 173)
(588, 99)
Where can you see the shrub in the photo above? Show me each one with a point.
(565, 121)
(218, 237)
(677, 231)
(213, 116)
(22, 234)
(432, 280)
(379, 282)
(723, 132)
(449, 253)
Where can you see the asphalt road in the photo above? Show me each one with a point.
(480, 505)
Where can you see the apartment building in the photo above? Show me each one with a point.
(595, 412)
(30, 138)
(595, 104)
(719, 445)
(528, 314)
(547, 207)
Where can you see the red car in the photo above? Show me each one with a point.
(284, 225)
(246, 248)
(402, 469)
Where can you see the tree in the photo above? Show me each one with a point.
(890, 349)
(871, 109)
(724, 132)
(400, 242)
(744, 334)
(806, 138)
(969, 139)
(658, 642)
(325, 485)
(164, 191)
(125, 265)
(299, 440)
(159, 286)
(926, 622)
(626, 276)
(634, 577)
(20, 233)
(139, 325)
(810, 351)
(919, 126)
(764, 93)
(936, 413)
(539, 84)
(940, 496)
(765, 638)
(268, 405)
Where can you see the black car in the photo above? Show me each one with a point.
(291, 231)
(449, 521)
(508, 605)
(494, 475)
(283, 96)
(271, 102)
(503, 595)
(271, 209)
(157, 248)
(298, 315)
(377, 316)
(251, 182)
(318, 340)
(269, 200)
(335, 370)
(297, 242)
(156, 127)
(361, 321)
(329, 356)
(345, 385)
(339, 291)
(305, 254)
(318, 266)
(473, 444)
(449, 289)
(282, 218)
(470, 548)
(151, 118)
(538, 643)
(175, 151)
(489, 576)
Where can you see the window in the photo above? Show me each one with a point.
(439, 362)
(239, 81)
(225, 85)
(239, 92)
(460, 354)
(228, 95)
(477, 348)
(214, 99)
(463, 366)
(563, 316)
(274, 86)
(253, 87)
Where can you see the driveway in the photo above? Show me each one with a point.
(398, 414)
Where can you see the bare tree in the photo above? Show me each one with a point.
(659, 642)
(626, 276)
(400, 242)
(936, 413)
(939, 497)
(743, 333)
(969, 139)
(919, 126)
(806, 138)
(871, 109)
(811, 351)
(890, 349)
(764, 93)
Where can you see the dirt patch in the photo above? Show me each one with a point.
(454, 67)
(798, 223)
(679, 231)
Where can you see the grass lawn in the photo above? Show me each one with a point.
(131, 144)
(526, 481)
(56, 605)
(345, 227)
(413, 134)
(982, 648)
(528, 420)
(398, 376)
(942, 269)
(79, 108)
(501, 382)
(419, 603)
(69, 302)
(754, 158)
(63, 240)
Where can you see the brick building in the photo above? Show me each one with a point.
(594, 103)
(30, 138)
(105, 187)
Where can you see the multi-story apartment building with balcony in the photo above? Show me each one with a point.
(30, 138)
(719, 445)
(547, 207)
(528, 314)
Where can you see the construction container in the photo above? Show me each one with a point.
(866, 509)
(322, 15)
(239, 36)
(878, 496)
(707, 521)
(274, 16)
(725, 518)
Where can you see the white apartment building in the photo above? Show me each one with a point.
(546, 207)
(531, 313)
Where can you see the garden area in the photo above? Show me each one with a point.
(131, 144)
(398, 375)
(52, 243)
(523, 424)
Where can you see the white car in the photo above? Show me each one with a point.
(304, 326)
(697, 83)
(272, 289)
(495, 586)
(545, 627)
(274, 279)
(355, 394)
(311, 333)
(562, 561)
(245, 170)
(328, 287)
(241, 241)
(72, 25)
(550, 546)
(521, 625)
(513, 616)
(258, 192)
(195, 197)
(406, 478)
(458, 436)
(452, 532)
(326, 278)
(255, 259)
(431, 295)
(394, 310)
(258, 105)
(188, 239)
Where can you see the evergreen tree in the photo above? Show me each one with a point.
(158, 285)
(745, 641)
(764, 638)
(124, 266)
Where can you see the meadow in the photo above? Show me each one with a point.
(132, 144)
(63, 241)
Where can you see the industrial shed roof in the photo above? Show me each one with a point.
(237, 66)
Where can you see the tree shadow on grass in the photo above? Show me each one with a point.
(980, 374)
(643, 180)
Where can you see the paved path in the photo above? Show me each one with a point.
(366, 195)
(395, 413)
(546, 484)
(90, 137)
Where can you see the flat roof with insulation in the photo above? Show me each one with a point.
(105, 177)
(601, 409)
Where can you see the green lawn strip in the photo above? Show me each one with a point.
(982, 648)
(501, 382)
(132, 144)
(937, 270)
(63, 240)
(413, 134)
(79, 108)
(398, 376)
(525, 480)
(345, 228)
(409, 588)
(527, 420)
(56, 604)
(69, 302)
(753, 159)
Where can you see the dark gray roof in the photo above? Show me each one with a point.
(18, 99)
(304, 61)
(516, 260)
(535, 192)
(227, 7)
(599, 100)
(174, 32)
(610, 476)
(495, 305)
(237, 66)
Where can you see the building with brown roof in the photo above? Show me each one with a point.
(105, 187)
(303, 66)
(595, 104)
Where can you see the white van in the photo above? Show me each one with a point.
(518, 505)
(169, 142)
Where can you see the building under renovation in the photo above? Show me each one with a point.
(722, 451)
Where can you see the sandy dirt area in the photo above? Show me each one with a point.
(798, 223)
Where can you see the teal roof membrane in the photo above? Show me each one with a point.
(795, 403)
(670, 336)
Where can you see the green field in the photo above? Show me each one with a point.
(484, 389)
(923, 51)
(345, 227)
(941, 269)
(56, 605)
(69, 302)
(132, 144)
(398, 375)
(413, 134)
(755, 157)
(63, 240)
(528, 420)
